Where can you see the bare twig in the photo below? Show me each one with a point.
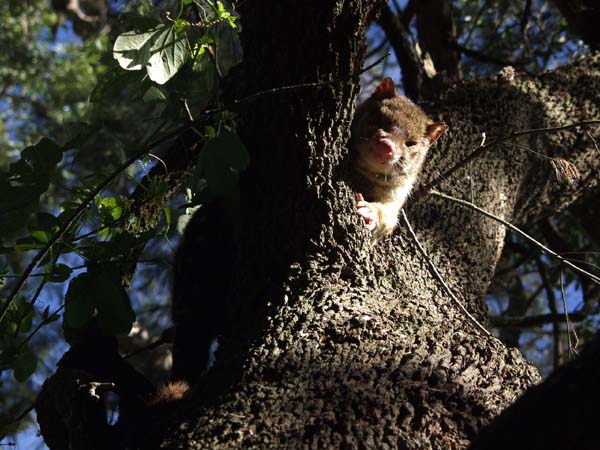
(593, 141)
(487, 58)
(557, 347)
(570, 328)
(439, 277)
(507, 224)
(536, 320)
(375, 50)
(25, 413)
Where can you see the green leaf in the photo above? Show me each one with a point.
(207, 81)
(20, 189)
(224, 14)
(229, 51)
(161, 51)
(99, 291)
(154, 94)
(229, 150)
(79, 301)
(25, 364)
(110, 209)
(24, 315)
(46, 221)
(115, 315)
(167, 211)
(16, 206)
(140, 22)
(222, 159)
(8, 426)
(28, 243)
(222, 180)
(169, 53)
(112, 84)
(49, 318)
(44, 156)
(131, 50)
(41, 236)
(81, 132)
(58, 273)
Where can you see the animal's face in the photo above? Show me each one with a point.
(390, 136)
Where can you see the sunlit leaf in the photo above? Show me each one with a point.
(162, 51)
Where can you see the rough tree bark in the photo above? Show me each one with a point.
(335, 343)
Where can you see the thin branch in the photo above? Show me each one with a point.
(376, 49)
(38, 291)
(40, 325)
(551, 297)
(486, 58)
(525, 18)
(593, 141)
(533, 296)
(405, 53)
(439, 277)
(483, 148)
(295, 87)
(535, 321)
(570, 329)
(509, 225)
(25, 413)
(475, 22)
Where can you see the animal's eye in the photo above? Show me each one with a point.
(411, 143)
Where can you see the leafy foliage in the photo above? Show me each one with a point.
(66, 215)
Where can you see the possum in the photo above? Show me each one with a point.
(390, 139)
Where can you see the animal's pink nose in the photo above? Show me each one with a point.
(383, 150)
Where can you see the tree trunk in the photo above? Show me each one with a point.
(335, 343)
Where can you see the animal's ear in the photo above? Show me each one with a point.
(386, 89)
(435, 130)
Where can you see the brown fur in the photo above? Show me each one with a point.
(393, 119)
(169, 393)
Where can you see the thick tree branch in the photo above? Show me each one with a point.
(405, 53)
(437, 33)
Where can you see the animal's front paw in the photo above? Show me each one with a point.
(364, 210)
